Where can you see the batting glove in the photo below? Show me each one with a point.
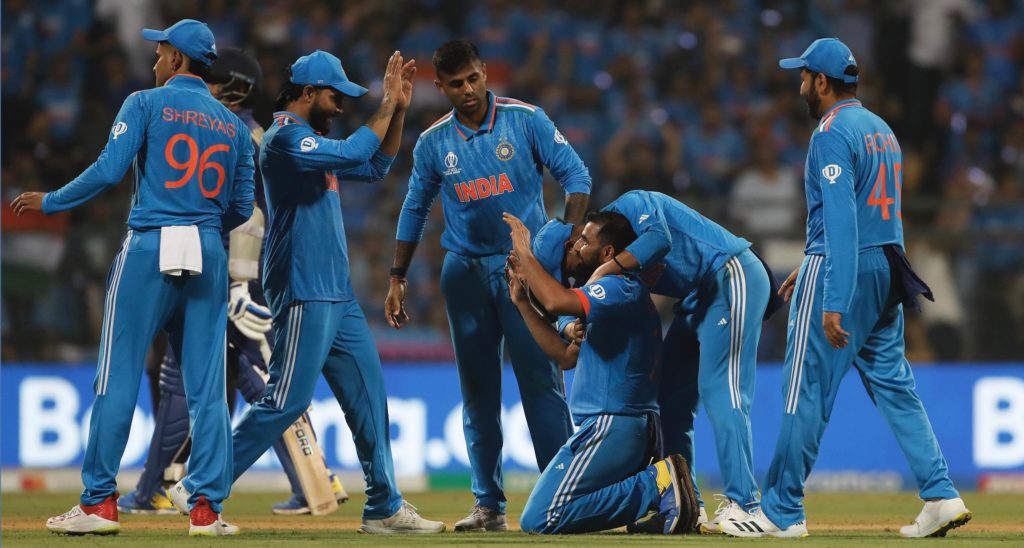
(251, 319)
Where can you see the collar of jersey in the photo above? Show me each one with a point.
(467, 133)
(842, 104)
(187, 81)
(283, 118)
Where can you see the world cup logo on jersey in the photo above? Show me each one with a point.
(451, 161)
(505, 151)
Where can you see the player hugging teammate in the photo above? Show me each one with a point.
(293, 315)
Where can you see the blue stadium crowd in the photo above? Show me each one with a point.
(683, 97)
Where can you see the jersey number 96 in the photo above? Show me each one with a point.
(195, 162)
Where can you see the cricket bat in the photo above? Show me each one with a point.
(310, 467)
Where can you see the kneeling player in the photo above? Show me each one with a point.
(602, 477)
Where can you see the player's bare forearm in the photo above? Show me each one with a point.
(394, 303)
(547, 338)
(576, 207)
(627, 261)
(393, 138)
(403, 254)
(551, 294)
(380, 121)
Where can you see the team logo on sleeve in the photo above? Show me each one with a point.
(505, 151)
(832, 172)
(119, 129)
(559, 138)
(451, 162)
(596, 291)
(308, 144)
(643, 218)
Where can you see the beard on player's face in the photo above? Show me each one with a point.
(587, 261)
(812, 98)
(320, 118)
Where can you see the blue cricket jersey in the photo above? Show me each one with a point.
(852, 181)
(481, 174)
(193, 160)
(690, 246)
(618, 367)
(306, 256)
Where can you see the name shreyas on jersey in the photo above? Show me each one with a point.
(478, 189)
(200, 119)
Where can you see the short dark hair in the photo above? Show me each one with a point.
(838, 86)
(455, 54)
(614, 229)
(198, 68)
(289, 92)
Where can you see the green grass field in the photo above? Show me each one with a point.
(834, 520)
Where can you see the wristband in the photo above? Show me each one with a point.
(616, 260)
(399, 271)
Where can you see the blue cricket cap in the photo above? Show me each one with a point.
(324, 70)
(549, 246)
(828, 56)
(191, 37)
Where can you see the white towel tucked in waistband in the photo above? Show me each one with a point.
(180, 250)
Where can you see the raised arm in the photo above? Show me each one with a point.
(550, 293)
(380, 121)
(564, 355)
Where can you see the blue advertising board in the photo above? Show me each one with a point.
(977, 412)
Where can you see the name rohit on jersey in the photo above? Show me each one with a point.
(200, 119)
(881, 142)
(478, 189)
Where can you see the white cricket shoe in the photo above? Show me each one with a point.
(179, 497)
(759, 525)
(405, 521)
(91, 519)
(204, 522)
(937, 518)
(728, 510)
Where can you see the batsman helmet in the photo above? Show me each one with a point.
(238, 74)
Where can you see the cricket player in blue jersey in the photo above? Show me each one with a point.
(610, 472)
(320, 326)
(710, 349)
(848, 297)
(486, 157)
(193, 178)
(233, 79)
